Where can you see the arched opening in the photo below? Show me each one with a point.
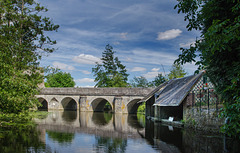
(133, 105)
(44, 103)
(69, 104)
(101, 105)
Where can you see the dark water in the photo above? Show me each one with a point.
(74, 132)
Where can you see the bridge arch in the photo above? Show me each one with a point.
(133, 105)
(68, 103)
(44, 104)
(98, 104)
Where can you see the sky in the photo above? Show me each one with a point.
(145, 34)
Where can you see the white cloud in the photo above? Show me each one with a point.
(84, 80)
(155, 69)
(154, 72)
(116, 43)
(138, 69)
(153, 57)
(123, 35)
(63, 66)
(169, 34)
(85, 72)
(187, 45)
(86, 59)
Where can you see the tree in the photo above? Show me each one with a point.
(218, 50)
(22, 41)
(159, 79)
(111, 73)
(59, 79)
(139, 82)
(176, 71)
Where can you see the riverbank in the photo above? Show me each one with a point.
(20, 120)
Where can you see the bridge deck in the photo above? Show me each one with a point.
(97, 91)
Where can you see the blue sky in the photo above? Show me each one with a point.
(146, 35)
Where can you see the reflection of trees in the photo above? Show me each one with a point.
(101, 118)
(141, 119)
(134, 123)
(20, 139)
(69, 116)
(61, 137)
(109, 145)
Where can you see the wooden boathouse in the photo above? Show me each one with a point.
(173, 100)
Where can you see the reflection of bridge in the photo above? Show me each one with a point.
(102, 124)
(122, 100)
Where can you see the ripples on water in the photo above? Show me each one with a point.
(71, 131)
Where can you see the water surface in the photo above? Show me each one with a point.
(82, 132)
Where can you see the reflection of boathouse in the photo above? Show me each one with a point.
(173, 100)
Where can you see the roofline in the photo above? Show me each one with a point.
(200, 75)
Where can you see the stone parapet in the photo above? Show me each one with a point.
(97, 91)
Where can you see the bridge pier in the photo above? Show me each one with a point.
(84, 106)
(118, 105)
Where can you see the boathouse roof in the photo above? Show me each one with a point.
(176, 90)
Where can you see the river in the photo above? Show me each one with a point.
(88, 132)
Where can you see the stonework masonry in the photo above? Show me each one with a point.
(122, 100)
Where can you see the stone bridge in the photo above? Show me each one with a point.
(122, 100)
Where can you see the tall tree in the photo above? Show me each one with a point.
(159, 79)
(57, 78)
(139, 82)
(110, 73)
(176, 71)
(22, 41)
(218, 49)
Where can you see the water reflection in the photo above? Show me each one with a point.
(62, 138)
(101, 119)
(135, 122)
(69, 116)
(164, 138)
(109, 145)
(98, 132)
(22, 139)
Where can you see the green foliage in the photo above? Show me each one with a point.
(159, 79)
(57, 78)
(218, 50)
(176, 71)
(22, 42)
(19, 120)
(143, 82)
(111, 73)
(107, 107)
(39, 114)
(142, 108)
(139, 82)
